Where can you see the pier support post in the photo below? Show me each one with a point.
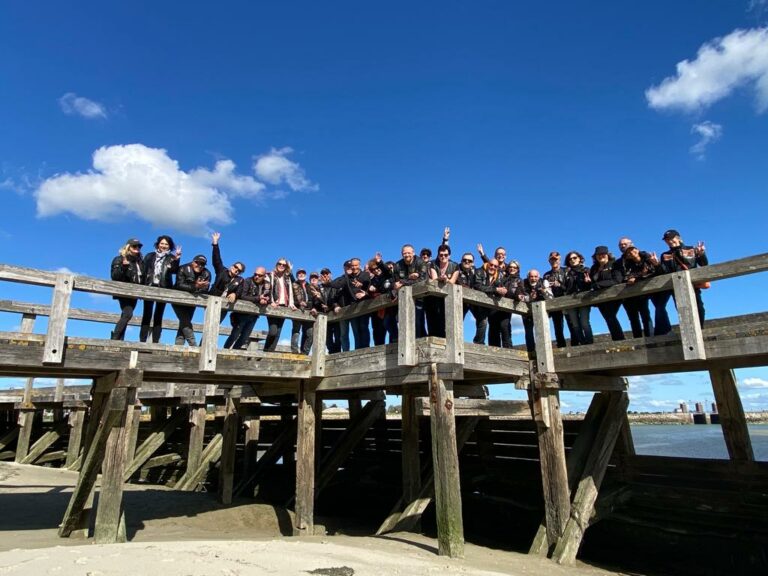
(228, 447)
(197, 415)
(75, 443)
(410, 448)
(591, 478)
(305, 461)
(445, 461)
(545, 404)
(732, 419)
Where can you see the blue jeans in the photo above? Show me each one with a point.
(241, 330)
(581, 329)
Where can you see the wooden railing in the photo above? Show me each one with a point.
(64, 284)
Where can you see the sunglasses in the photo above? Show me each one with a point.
(467, 260)
(282, 264)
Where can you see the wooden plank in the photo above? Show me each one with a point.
(731, 411)
(157, 438)
(545, 404)
(688, 315)
(190, 481)
(114, 408)
(478, 298)
(75, 442)
(9, 437)
(25, 423)
(454, 325)
(251, 453)
(592, 383)
(54, 456)
(210, 341)
(318, 346)
(406, 321)
(43, 443)
(410, 456)
(481, 407)
(545, 361)
(53, 353)
(132, 426)
(445, 462)
(591, 479)
(305, 462)
(230, 430)
(27, 323)
(196, 437)
(110, 523)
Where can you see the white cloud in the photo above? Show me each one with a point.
(146, 183)
(73, 104)
(223, 177)
(753, 383)
(721, 66)
(275, 168)
(707, 132)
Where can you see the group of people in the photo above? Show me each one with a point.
(317, 293)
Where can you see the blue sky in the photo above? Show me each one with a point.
(321, 131)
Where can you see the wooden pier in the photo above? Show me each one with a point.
(274, 400)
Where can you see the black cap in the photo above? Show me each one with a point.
(671, 233)
(325, 271)
(601, 250)
(314, 275)
(200, 259)
(301, 271)
(134, 242)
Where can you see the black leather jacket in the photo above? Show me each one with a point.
(169, 268)
(681, 258)
(605, 277)
(467, 277)
(540, 290)
(553, 276)
(486, 283)
(251, 291)
(225, 283)
(577, 279)
(186, 278)
(402, 271)
(132, 272)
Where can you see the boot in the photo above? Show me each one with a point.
(189, 335)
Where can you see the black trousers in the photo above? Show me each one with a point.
(126, 313)
(152, 319)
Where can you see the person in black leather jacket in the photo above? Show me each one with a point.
(408, 271)
(127, 266)
(160, 266)
(228, 278)
(577, 280)
(500, 321)
(490, 282)
(604, 275)
(353, 287)
(555, 276)
(383, 321)
(194, 278)
(679, 257)
(638, 266)
(257, 291)
(325, 301)
(532, 289)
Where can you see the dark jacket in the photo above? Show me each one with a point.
(346, 288)
(639, 270)
(486, 283)
(681, 258)
(275, 288)
(536, 292)
(301, 298)
(186, 278)
(511, 283)
(225, 283)
(321, 297)
(467, 277)
(132, 272)
(605, 277)
(381, 283)
(577, 279)
(403, 271)
(169, 268)
(558, 276)
(251, 291)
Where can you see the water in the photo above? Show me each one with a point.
(693, 441)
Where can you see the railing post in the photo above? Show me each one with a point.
(688, 316)
(53, 352)
(210, 344)
(545, 361)
(318, 346)
(406, 325)
(454, 325)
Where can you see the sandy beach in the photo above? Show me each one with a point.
(180, 534)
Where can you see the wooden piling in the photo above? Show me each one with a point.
(445, 461)
(75, 442)
(228, 447)
(305, 461)
(196, 417)
(732, 419)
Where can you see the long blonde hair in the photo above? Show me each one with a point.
(125, 251)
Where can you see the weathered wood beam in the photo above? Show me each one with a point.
(191, 480)
(688, 315)
(43, 443)
(445, 462)
(196, 415)
(305, 461)
(731, 411)
(159, 436)
(110, 522)
(53, 353)
(410, 455)
(545, 361)
(209, 343)
(113, 409)
(454, 325)
(591, 477)
(545, 404)
(479, 407)
(230, 430)
(75, 442)
(406, 321)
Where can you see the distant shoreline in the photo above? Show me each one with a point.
(684, 419)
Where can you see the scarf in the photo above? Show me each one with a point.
(157, 273)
